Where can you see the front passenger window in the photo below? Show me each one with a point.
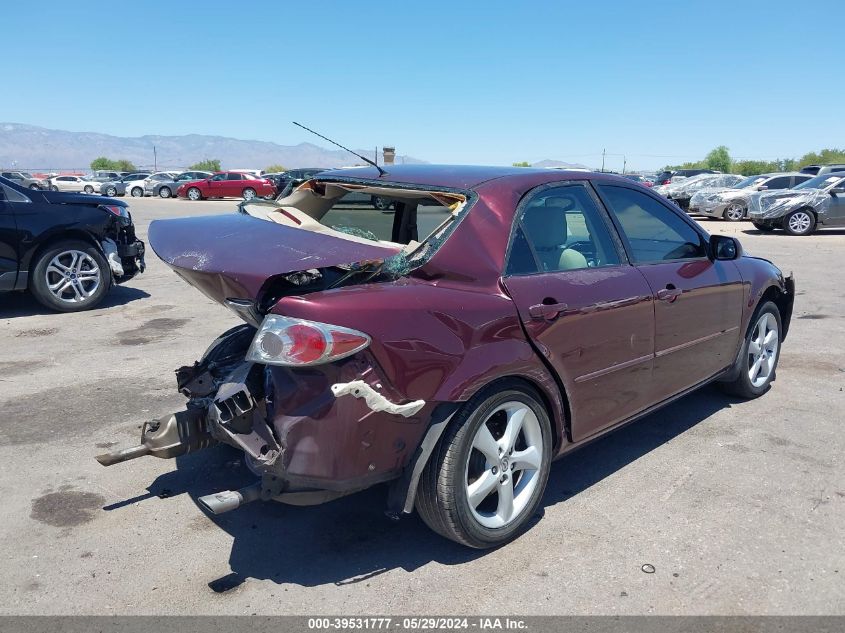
(654, 232)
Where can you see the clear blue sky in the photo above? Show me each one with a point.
(456, 82)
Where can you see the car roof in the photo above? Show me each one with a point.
(454, 176)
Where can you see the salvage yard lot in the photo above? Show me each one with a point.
(739, 506)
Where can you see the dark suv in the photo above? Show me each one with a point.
(665, 176)
(65, 248)
(818, 170)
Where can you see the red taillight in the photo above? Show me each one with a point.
(665, 182)
(113, 208)
(285, 341)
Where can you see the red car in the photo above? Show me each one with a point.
(455, 351)
(227, 184)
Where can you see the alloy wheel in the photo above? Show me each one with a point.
(800, 221)
(111, 192)
(248, 194)
(502, 469)
(193, 194)
(73, 276)
(164, 192)
(734, 212)
(763, 349)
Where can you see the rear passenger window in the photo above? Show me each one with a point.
(654, 232)
(781, 182)
(565, 230)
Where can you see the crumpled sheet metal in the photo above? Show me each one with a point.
(776, 204)
(110, 249)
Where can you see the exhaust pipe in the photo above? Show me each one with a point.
(168, 437)
(228, 500)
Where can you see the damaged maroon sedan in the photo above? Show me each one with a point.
(540, 310)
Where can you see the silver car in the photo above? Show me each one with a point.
(819, 201)
(25, 179)
(731, 203)
(118, 187)
(166, 188)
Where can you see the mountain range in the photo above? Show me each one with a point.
(35, 148)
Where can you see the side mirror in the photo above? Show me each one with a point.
(837, 190)
(724, 248)
(762, 188)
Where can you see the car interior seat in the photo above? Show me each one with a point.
(547, 227)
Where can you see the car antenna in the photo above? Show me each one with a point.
(381, 172)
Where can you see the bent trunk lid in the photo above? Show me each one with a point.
(231, 256)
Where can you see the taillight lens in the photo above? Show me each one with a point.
(296, 342)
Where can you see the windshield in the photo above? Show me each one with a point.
(749, 182)
(820, 182)
(26, 174)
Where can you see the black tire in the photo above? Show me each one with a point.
(765, 228)
(442, 500)
(88, 189)
(39, 287)
(800, 222)
(111, 192)
(382, 204)
(54, 188)
(248, 193)
(165, 192)
(137, 192)
(34, 186)
(197, 194)
(742, 385)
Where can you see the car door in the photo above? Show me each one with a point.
(8, 238)
(836, 206)
(585, 308)
(217, 186)
(697, 301)
(234, 185)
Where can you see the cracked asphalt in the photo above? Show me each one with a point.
(739, 507)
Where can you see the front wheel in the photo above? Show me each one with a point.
(248, 193)
(89, 189)
(70, 276)
(734, 212)
(194, 194)
(111, 192)
(800, 222)
(54, 188)
(34, 187)
(485, 479)
(165, 192)
(758, 358)
(382, 204)
(137, 192)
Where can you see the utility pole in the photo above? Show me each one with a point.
(155, 160)
(375, 154)
(624, 163)
(602, 159)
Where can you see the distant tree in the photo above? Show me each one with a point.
(822, 157)
(209, 164)
(124, 165)
(101, 162)
(754, 167)
(274, 169)
(523, 163)
(719, 159)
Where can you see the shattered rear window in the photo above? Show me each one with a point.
(416, 220)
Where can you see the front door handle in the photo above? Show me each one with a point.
(668, 294)
(547, 311)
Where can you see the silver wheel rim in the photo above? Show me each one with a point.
(503, 466)
(89, 190)
(735, 211)
(763, 350)
(800, 222)
(72, 276)
(193, 194)
(137, 192)
(249, 194)
(164, 192)
(111, 191)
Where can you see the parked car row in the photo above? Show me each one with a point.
(818, 202)
(731, 203)
(25, 179)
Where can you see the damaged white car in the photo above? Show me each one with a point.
(801, 210)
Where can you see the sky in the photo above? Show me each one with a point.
(492, 82)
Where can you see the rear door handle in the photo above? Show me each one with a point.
(548, 311)
(668, 294)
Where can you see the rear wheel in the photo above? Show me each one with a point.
(54, 188)
(249, 193)
(89, 189)
(800, 222)
(137, 192)
(382, 204)
(165, 192)
(758, 358)
(734, 212)
(70, 276)
(111, 192)
(194, 194)
(34, 186)
(485, 479)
